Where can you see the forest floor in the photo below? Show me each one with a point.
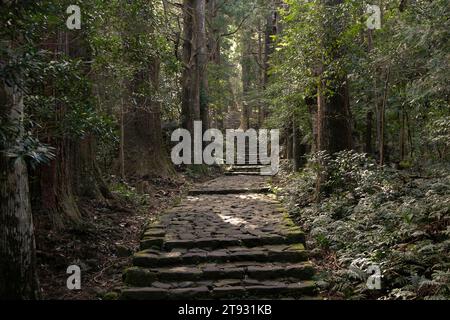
(103, 245)
(396, 221)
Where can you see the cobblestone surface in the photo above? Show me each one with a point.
(226, 217)
(234, 184)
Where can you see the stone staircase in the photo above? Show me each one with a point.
(225, 241)
(246, 167)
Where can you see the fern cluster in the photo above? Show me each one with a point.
(375, 216)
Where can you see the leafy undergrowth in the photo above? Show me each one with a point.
(395, 220)
(103, 244)
(110, 231)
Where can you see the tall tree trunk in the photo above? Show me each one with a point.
(410, 136)
(298, 149)
(122, 140)
(334, 131)
(195, 60)
(214, 47)
(145, 155)
(18, 278)
(402, 135)
(87, 177)
(271, 30)
(369, 116)
(56, 185)
(382, 117)
(190, 106)
(246, 79)
(74, 171)
(311, 104)
(261, 73)
(333, 119)
(368, 134)
(58, 178)
(289, 142)
(202, 60)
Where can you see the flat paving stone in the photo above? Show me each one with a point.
(233, 184)
(223, 220)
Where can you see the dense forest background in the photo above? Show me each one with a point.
(86, 117)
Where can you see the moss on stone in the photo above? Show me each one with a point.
(111, 296)
(149, 243)
(297, 247)
(139, 276)
(288, 221)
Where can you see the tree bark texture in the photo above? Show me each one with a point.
(18, 278)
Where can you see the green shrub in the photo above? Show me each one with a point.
(396, 221)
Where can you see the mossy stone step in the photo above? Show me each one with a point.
(293, 236)
(211, 191)
(244, 167)
(278, 253)
(203, 290)
(143, 277)
(288, 234)
(243, 173)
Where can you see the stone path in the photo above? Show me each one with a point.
(229, 239)
(233, 185)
